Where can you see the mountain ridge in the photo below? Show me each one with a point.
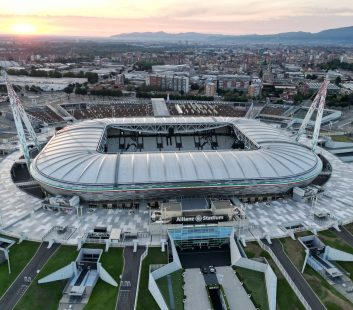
(328, 36)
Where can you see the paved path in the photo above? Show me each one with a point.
(128, 284)
(170, 291)
(344, 234)
(296, 276)
(195, 291)
(236, 295)
(19, 286)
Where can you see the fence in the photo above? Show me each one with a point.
(143, 256)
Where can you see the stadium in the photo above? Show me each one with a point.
(201, 181)
(107, 160)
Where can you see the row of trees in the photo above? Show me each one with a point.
(337, 64)
(339, 100)
(144, 65)
(233, 95)
(91, 76)
(82, 89)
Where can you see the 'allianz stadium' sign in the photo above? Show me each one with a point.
(199, 219)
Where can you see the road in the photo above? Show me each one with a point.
(128, 284)
(20, 286)
(307, 292)
(344, 234)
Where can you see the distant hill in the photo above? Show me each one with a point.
(330, 36)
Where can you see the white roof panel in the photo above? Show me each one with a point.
(71, 156)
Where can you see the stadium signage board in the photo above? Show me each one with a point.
(199, 219)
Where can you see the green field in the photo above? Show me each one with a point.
(20, 255)
(331, 239)
(331, 298)
(47, 296)
(341, 139)
(286, 298)
(145, 300)
(177, 286)
(254, 284)
(295, 250)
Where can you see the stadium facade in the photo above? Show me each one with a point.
(155, 157)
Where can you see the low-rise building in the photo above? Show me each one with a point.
(210, 89)
(169, 82)
(233, 82)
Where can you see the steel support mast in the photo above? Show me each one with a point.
(20, 115)
(318, 103)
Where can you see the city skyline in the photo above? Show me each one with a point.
(107, 17)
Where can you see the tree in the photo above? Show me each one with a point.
(69, 89)
(92, 77)
(194, 86)
(338, 80)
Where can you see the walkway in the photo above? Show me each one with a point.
(195, 291)
(235, 293)
(170, 292)
(128, 284)
(295, 275)
(19, 286)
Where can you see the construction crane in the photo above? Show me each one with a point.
(319, 104)
(20, 116)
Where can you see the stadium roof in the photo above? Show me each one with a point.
(71, 157)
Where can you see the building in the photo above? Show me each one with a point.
(169, 82)
(210, 89)
(45, 83)
(170, 68)
(167, 157)
(234, 82)
(255, 88)
(313, 87)
(119, 79)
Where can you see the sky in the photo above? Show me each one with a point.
(109, 17)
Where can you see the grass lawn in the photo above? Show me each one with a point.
(331, 298)
(47, 296)
(104, 295)
(341, 139)
(295, 251)
(145, 299)
(254, 282)
(328, 295)
(349, 227)
(20, 255)
(286, 298)
(177, 285)
(333, 240)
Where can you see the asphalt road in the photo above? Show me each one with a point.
(344, 234)
(128, 284)
(19, 286)
(309, 295)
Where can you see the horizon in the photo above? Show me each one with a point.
(38, 35)
(104, 18)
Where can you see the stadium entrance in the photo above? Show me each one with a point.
(200, 237)
(202, 246)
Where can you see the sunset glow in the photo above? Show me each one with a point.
(23, 28)
(109, 17)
